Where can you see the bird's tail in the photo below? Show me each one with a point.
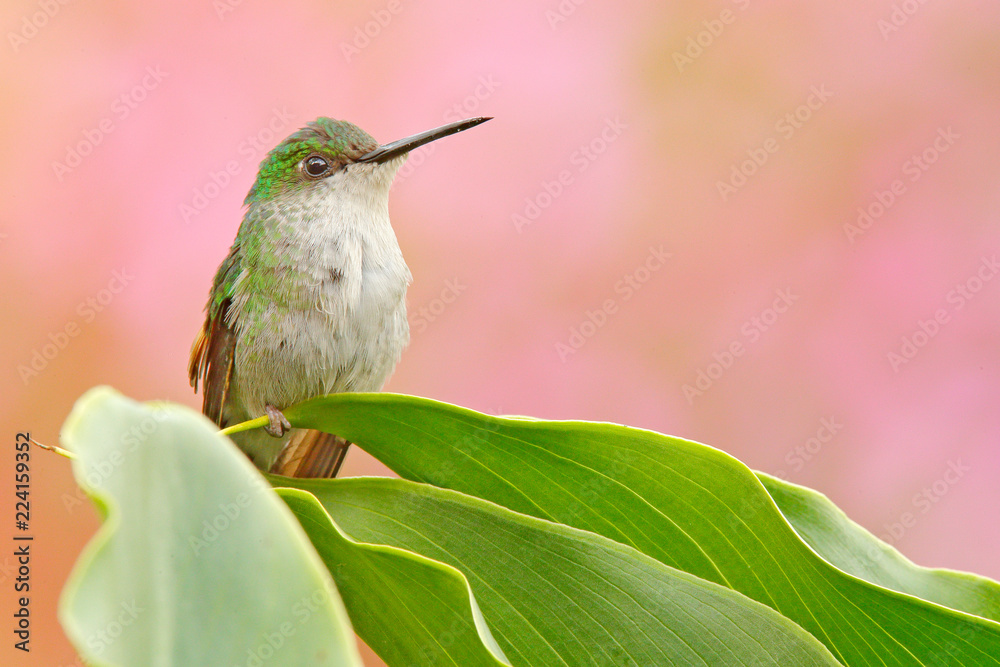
(311, 453)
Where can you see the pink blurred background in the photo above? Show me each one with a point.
(618, 122)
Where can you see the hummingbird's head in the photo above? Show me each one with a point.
(326, 152)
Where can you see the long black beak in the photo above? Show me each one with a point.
(396, 148)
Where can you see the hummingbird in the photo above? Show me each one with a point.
(311, 299)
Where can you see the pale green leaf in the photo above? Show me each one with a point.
(198, 561)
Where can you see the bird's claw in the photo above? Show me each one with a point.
(278, 424)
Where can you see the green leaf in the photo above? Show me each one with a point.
(409, 609)
(686, 505)
(198, 562)
(554, 595)
(842, 542)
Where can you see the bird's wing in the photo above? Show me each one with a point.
(214, 349)
(311, 453)
(308, 453)
(211, 362)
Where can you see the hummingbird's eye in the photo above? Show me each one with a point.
(316, 165)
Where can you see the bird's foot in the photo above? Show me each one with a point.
(278, 424)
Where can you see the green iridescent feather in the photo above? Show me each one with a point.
(335, 139)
